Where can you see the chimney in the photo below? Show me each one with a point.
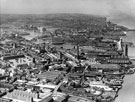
(61, 55)
(77, 51)
(34, 60)
(122, 44)
(126, 50)
(14, 45)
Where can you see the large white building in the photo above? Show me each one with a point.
(119, 45)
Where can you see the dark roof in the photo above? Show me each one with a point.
(119, 61)
(105, 66)
(13, 57)
(50, 75)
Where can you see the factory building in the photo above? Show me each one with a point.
(15, 60)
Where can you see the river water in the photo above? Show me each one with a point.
(130, 38)
(127, 93)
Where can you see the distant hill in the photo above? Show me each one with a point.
(54, 20)
(125, 20)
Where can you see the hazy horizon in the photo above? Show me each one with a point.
(114, 9)
(96, 7)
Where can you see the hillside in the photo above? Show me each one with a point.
(54, 20)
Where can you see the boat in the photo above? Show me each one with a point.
(124, 32)
(93, 91)
(114, 77)
(115, 73)
(109, 96)
(100, 86)
(93, 73)
(114, 83)
(24, 33)
(130, 71)
(106, 97)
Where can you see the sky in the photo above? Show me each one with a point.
(97, 7)
(117, 10)
(123, 10)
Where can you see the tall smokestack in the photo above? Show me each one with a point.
(34, 60)
(61, 55)
(77, 51)
(121, 43)
(126, 50)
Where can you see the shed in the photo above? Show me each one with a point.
(106, 66)
(12, 57)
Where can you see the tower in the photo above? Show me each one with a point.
(119, 45)
(126, 50)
